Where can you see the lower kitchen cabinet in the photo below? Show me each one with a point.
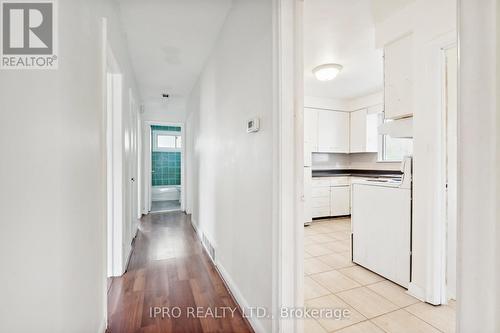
(340, 200)
(331, 197)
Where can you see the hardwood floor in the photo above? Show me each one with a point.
(171, 274)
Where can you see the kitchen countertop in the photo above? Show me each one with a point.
(357, 173)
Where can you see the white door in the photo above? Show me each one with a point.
(333, 132)
(340, 200)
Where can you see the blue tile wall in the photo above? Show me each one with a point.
(165, 128)
(166, 168)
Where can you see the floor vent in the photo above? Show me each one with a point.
(209, 247)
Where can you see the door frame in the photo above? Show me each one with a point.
(288, 164)
(443, 177)
(148, 148)
(114, 164)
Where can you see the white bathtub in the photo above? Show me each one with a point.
(166, 193)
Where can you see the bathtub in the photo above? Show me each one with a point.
(166, 193)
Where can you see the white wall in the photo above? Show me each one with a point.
(478, 290)
(432, 22)
(230, 171)
(52, 198)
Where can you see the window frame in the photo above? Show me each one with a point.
(382, 145)
(178, 136)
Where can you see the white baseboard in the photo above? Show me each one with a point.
(242, 302)
(416, 291)
(103, 326)
(233, 289)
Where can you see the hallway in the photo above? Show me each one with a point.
(169, 268)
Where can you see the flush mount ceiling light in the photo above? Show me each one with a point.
(327, 72)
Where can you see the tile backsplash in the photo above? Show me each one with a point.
(368, 161)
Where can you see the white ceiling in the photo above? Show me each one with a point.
(343, 32)
(169, 42)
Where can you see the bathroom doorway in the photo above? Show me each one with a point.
(166, 165)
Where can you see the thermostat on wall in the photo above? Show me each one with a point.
(253, 125)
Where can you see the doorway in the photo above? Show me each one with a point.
(166, 165)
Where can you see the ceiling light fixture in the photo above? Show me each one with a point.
(327, 72)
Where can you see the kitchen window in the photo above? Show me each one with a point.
(393, 149)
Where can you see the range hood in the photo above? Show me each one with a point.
(398, 128)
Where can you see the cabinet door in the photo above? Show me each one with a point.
(311, 129)
(333, 132)
(398, 77)
(358, 131)
(373, 120)
(340, 200)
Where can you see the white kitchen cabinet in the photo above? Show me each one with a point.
(398, 78)
(333, 132)
(340, 200)
(330, 196)
(363, 130)
(358, 131)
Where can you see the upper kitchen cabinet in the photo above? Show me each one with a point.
(398, 72)
(363, 130)
(333, 132)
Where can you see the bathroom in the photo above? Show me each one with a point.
(166, 161)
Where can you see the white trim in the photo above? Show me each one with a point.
(415, 291)
(233, 289)
(443, 195)
(147, 161)
(104, 154)
(103, 326)
(436, 252)
(238, 296)
(288, 184)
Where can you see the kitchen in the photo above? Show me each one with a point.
(358, 169)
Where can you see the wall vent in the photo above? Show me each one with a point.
(209, 247)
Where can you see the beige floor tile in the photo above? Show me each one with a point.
(333, 302)
(340, 235)
(322, 238)
(309, 240)
(335, 281)
(307, 255)
(361, 275)
(367, 302)
(313, 289)
(318, 249)
(339, 246)
(308, 231)
(393, 293)
(312, 326)
(401, 321)
(442, 317)
(363, 327)
(313, 266)
(336, 260)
